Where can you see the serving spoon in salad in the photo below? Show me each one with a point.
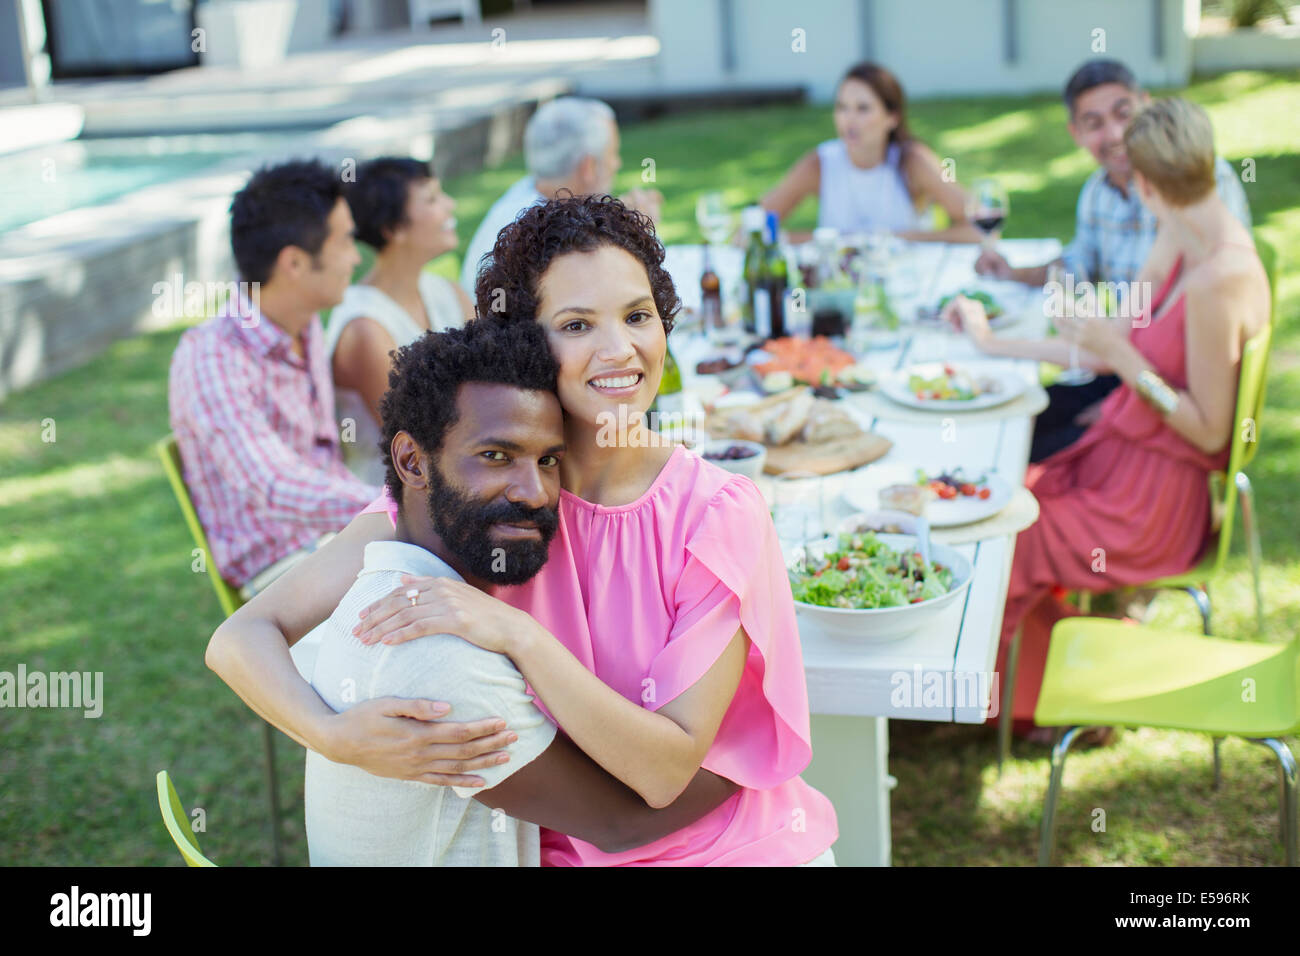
(922, 531)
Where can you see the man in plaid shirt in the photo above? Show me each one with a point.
(1114, 232)
(252, 402)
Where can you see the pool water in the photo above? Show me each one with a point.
(48, 180)
(43, 182)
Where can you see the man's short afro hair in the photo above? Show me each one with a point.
(507, 286)
(428, 373)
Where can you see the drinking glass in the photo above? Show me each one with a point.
(987, 207)
(732, 331)
(714, 218)
(1075, 374)
(799, 507)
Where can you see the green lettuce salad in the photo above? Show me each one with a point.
(865, 573)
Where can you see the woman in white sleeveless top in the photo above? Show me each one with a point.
(401, 211)
(875, 176)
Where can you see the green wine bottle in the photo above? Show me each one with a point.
(669, 400)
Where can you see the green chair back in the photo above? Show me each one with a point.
(169, 452)
(177, 822)
(1245, 434)
(1268, 258)
(231, 600)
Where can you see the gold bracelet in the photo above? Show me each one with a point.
(1156, 392)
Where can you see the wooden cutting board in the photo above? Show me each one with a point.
(828, 457)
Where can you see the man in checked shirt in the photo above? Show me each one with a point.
(1114, 233)
(252, 401)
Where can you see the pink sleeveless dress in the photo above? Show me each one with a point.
(1127, 503)
(647, 595)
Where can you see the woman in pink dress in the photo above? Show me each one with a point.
(660, 635)
(1129, 501)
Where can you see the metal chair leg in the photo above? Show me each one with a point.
(1202, 598)
(1008, 700)
(1218, 763)
(1246, 496)
(1287, 808)
(273, 792)
(1047, 838)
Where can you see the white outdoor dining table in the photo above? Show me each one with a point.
(946, 672)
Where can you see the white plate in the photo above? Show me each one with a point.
(1010, 385)
(880, 625)
(862, 487)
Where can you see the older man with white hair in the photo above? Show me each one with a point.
(570, 143)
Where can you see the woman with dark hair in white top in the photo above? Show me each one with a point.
(875, 175)
(400, 211)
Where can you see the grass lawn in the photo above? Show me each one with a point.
(95, 565)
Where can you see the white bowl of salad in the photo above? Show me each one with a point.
(874, 588)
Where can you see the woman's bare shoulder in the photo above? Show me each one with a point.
(1230, 287)
(916, 154)
(364, 334)
(1231, 271)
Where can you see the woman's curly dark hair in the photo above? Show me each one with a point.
(507, 286)
(427, 374)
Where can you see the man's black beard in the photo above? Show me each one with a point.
(464, 524)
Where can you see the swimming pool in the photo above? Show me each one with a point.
(48, 180)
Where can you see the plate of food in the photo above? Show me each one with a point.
(801, 432)
(786, 362)
(946, 495)
(874, 588)
(949, 387)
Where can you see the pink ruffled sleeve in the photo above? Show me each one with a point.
(384, 503)
(734, 577)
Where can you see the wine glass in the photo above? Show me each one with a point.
(799, 507)
(987, 207)
(1075, 374)
(714, 218)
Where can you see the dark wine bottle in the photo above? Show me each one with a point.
(776, 284)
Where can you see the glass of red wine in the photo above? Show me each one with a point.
(987, 207)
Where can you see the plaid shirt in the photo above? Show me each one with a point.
(257, 436)
(1114, 232)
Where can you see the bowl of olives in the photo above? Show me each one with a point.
(742, 457)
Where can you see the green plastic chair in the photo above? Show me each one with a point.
(1102, 672)
(1225, 497)
(177, 822)
(231, 600)
(169, 453)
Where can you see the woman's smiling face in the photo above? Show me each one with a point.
(605, 332)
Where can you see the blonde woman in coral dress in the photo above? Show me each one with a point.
(1129, 502)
